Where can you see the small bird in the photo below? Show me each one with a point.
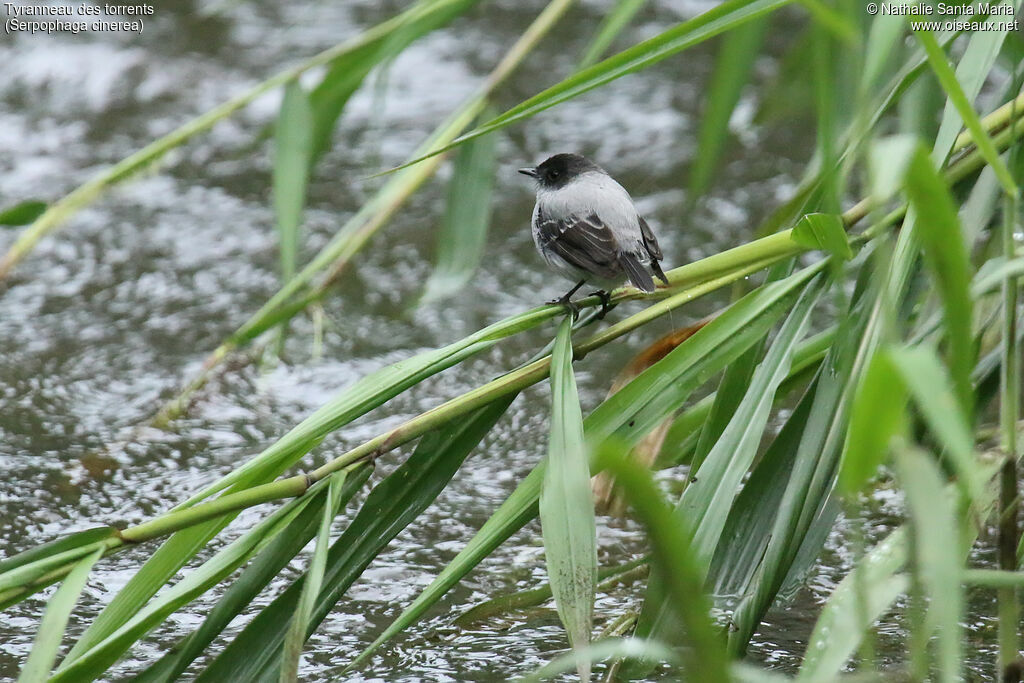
(586, 227)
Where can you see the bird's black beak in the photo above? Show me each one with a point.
(532, 172)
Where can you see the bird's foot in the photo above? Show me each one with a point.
(606, 303)
(571, 308)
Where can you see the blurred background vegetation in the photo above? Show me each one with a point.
(261, 412)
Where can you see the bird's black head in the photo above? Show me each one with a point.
(557, 171)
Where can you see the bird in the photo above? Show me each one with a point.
(587, 228)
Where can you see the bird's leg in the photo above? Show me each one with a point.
(606, 302)
(573, 309)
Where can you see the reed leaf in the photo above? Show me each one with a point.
(463, 234)
(612, 24)
(674, 561)
(389, 508)
(607, 648)
(733, 67)
(265, 567)
(566, 509)
(312, 582)
(292, 154)
(862, 596)
(21, 213)
(878, 414)
(693, 362)
(823, 231)
(92, 660)
(947, 78)
(55, 620)
(932, 519)
(938, 230)
(707, 500)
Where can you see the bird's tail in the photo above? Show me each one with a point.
(637, 274)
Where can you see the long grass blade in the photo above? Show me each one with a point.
(707, 500)
(938, 230)
(389, 508)
(608, 648)
(55, 619)
(733, 68)
(566, 509)
(311, 584)
(947, 78)
(842, 622)
(674, 561)
(933, 518)
(253, 580)
(292, 153)
(972, 70)
(21, 213)
(463, 234)
(612, 24)
(688, 366)
(90, 662)
(878, 414)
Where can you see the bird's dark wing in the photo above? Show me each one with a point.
(582, 241)
(650, 241)
(653, 250)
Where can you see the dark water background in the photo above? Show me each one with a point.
(111, 315)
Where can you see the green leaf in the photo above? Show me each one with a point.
(706, 501)
(971, 73)
(947, 78)
(612, 24)
(752, 516)
(292, 151)
(878, 414)
(389, 508)
(733, 66)
(74, 541)
(883, 36)
(674, 562)
(938, 231)
(933, 520)
(332, 93)
(811, 477)
(663, 388)
(312, 582)
(566, 507)
(609, 648)
(55, 620)
(860, 598)
(888, 160)
(463, 235)
(22, 214)
(95, 657)
(928, 382)
(266, 566)
(824, 231)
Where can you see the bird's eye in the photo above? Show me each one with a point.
(553, 174)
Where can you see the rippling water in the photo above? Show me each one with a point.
(111, 315)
